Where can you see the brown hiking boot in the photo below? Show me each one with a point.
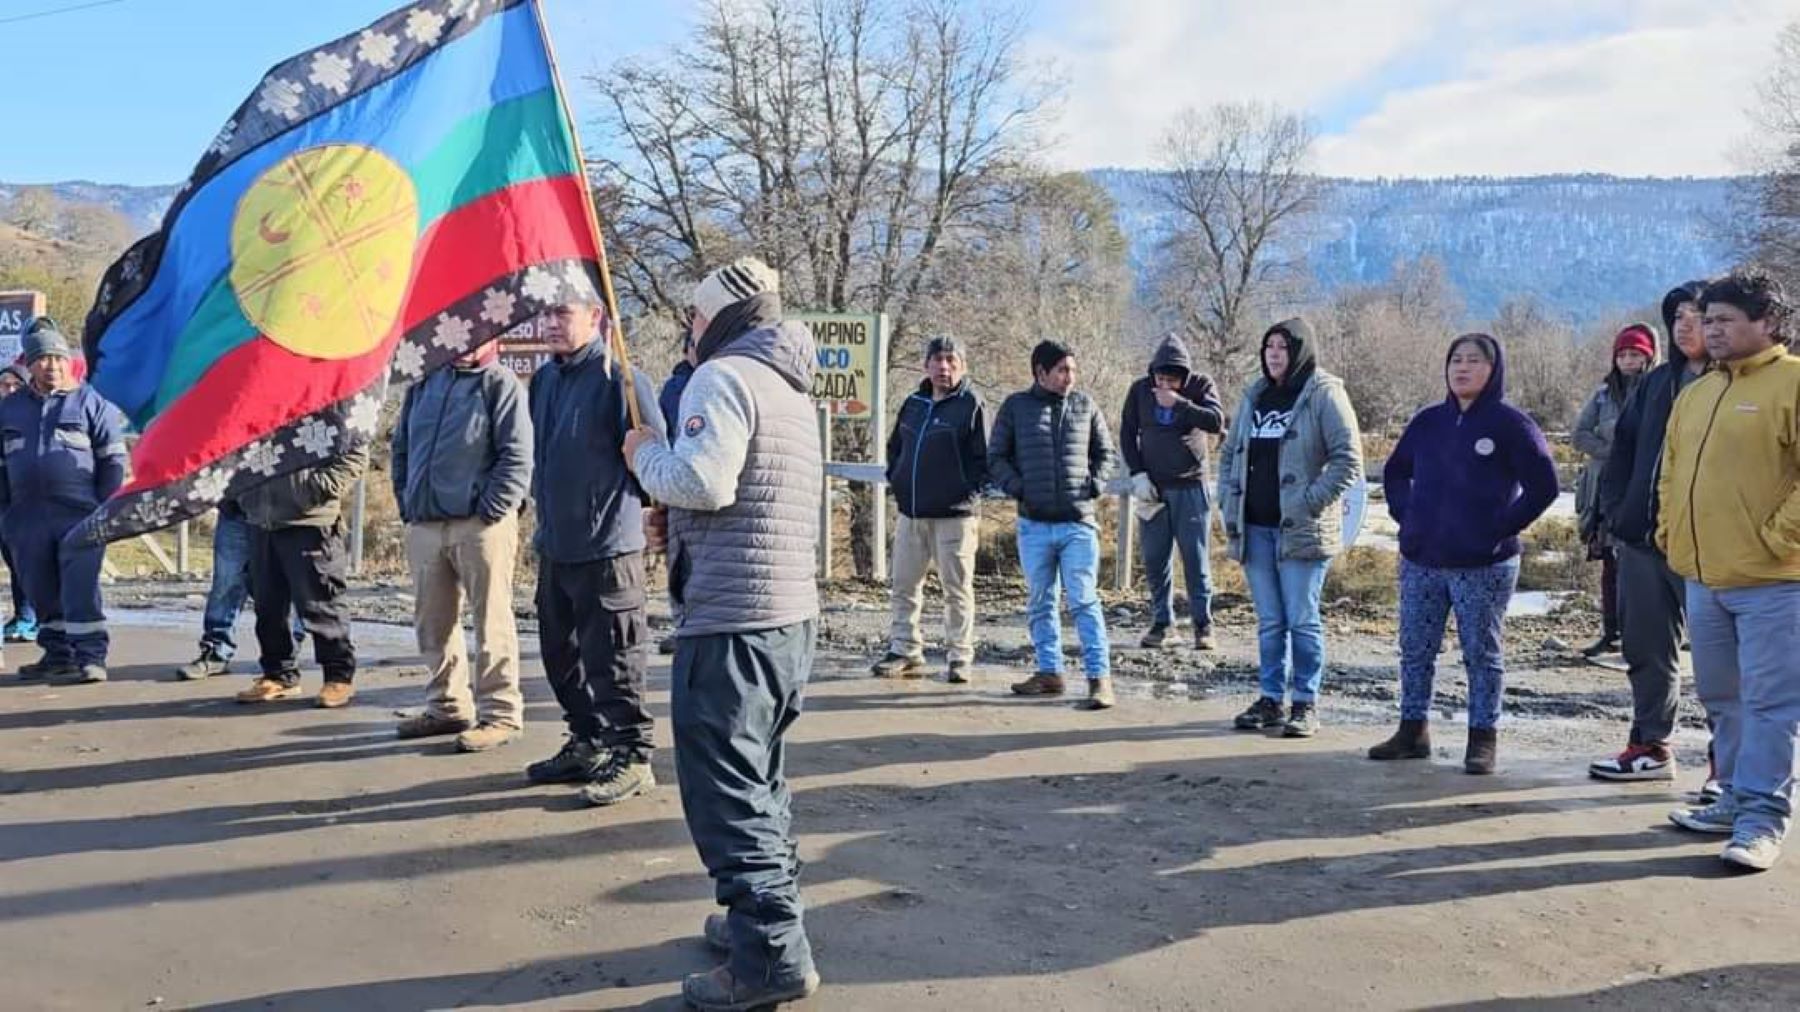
(333, 695)
(268, 690)
(1411, 741)
(428, 725)
(1041, 684)
(1100, 695)
(1483, 751)
(485, 737)
(1203, 640)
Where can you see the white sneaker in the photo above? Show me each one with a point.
(1637, 762)
(1758, 853)
(1719, 818)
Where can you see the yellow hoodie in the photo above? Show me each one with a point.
(1730, 481)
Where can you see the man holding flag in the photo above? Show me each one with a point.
(592, 632)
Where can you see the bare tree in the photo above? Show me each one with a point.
(1764, 210)
(1239, 188)
(1387, 341)
(844, 141)
(34, 209)
(1543, 364)
(849, 143)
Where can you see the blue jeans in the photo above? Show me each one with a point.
(22, 611)
(1184, 522)
(1745, 642)
(1286, 594)
(1059, 556)
(1479, 597)
(230, 588)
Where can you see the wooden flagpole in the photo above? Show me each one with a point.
(615, 323)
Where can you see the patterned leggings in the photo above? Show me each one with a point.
(1479, 597)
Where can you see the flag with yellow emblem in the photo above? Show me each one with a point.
(379, 205)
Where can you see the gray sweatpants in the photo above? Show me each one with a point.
(1652, 611)
(733, 697)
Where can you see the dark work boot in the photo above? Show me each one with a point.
(720, 990)
(1484, 743)
(1411, 741)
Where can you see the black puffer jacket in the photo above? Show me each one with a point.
(1051, 453)
(1627, 487)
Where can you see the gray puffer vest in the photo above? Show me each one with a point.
(751, 565)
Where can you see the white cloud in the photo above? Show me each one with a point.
(1130, 67)
(1633, 87)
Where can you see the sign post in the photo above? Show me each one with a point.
(17, 310)
(850, 384)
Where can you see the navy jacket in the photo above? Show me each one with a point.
(669, 398)
(937, 453)
(1464, 484)
(589, 507)
(66, 450)
(1169, 444)
(1628, 481)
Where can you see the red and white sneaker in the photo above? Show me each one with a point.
(1637, 762)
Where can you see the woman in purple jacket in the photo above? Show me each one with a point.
(1467, 476)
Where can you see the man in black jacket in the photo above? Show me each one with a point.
(1050, 451)
(937, 464)
(1652, 601)
(1168, 417)
(592, 632)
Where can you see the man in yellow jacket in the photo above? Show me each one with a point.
(1730, 525)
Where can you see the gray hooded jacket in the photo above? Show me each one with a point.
(462, 446)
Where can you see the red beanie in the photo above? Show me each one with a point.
(1636, 337)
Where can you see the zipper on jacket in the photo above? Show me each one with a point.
(919, 448)
(1694, 479)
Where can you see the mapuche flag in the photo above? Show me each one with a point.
(379, 205)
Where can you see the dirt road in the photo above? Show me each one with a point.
(162, 847)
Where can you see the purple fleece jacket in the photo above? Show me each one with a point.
(1463, 484)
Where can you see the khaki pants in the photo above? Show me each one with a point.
(951, 543)
(451, 558)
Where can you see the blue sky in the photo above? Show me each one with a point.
(1396, 87)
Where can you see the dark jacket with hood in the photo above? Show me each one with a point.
(1169, 444)
(1627, 486)
(1464, 484)
(1051, 453)
(937, 453)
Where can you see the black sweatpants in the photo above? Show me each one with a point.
(307, 570)
(595, 644)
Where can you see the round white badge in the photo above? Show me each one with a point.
(1484, 446)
